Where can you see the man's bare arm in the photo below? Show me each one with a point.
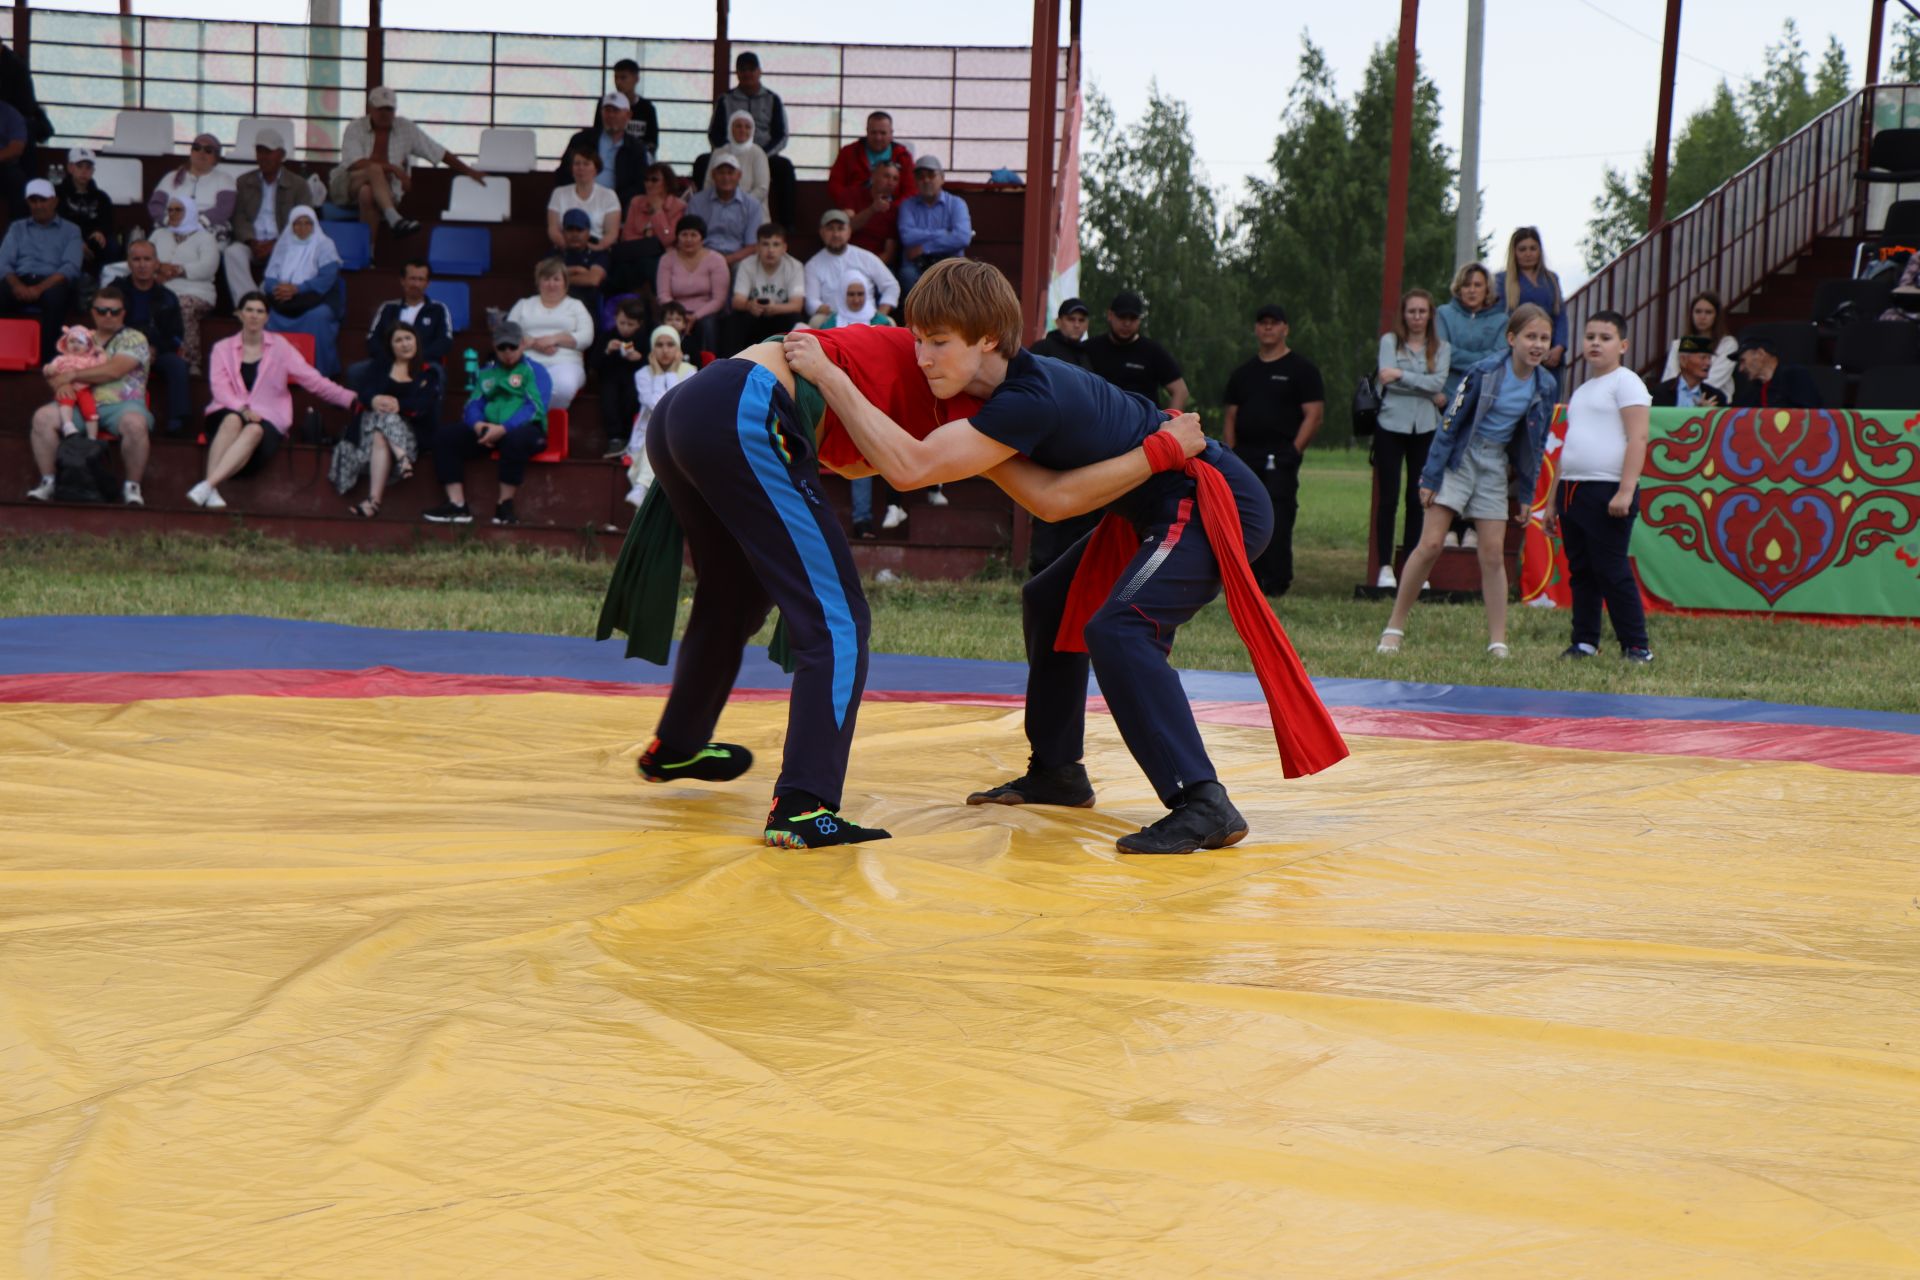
(1057, 495)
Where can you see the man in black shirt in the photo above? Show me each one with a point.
(1275, 404)
(1068, 340)
(1769, 382)
(1132, 362)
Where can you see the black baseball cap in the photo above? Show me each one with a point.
(1272, 311)
(1073, 306)
(1127, 303)
(748, 61)
(1758, 342)
(1697, 344)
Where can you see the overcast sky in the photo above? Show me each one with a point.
(1570, 84)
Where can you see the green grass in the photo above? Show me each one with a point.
(482, 588)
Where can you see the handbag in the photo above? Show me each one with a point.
(1366, 408)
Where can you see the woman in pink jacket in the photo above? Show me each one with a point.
(252, 406)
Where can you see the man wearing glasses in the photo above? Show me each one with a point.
(119, 386)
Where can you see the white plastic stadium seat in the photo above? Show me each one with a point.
(507, 151)
(142, 133)
(250, 125)
(471, 202)
(120, 178)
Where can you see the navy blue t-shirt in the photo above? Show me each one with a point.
(1062, 416)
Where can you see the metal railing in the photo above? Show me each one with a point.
(967, 104)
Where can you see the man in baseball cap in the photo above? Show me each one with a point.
(733, 217)
(1770, 382)
(87, 207)
(40, 262)
(507, 412)
(769, 116)
(376, 154)
(828, 269)
(935, 224)
(622, 153)
(1133, 362)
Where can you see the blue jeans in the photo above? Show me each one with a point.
(862, 500)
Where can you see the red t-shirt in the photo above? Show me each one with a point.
(880, 361)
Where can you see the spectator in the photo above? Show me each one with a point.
(507, 412)
(399, 397)
(1473, 323)
(376, 159)
(664, 370)
(1706, 318)
(304, 288)
(1275, 404)
(76, 353)
(212, 188)
(87, 207)
(263, 200)
(1414, 367)
(677, 315)
(40, 261)
(827, 270)
(186, 259)
(648, 231)
(934, 223)
(16, 91)
(696, 277)
(1691, 388)
(252, 406)
(853, 167)
(1527, 280)
(643, 122)
(769, 290)
(876, 224)
(754, 174)
(621, 356)
(732, 216)
(620, 158)
(586, 266)
(157, 314)
(1132, 362)
(119, 390)
(431, 322)
(556, 332)
(1068, 338)
(13, 153)
(855, 307)
(769, 130)
(1769, 383)
(584, 195)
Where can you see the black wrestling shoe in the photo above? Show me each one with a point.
(799, 821)
(1206, 819)
(1065, 785)
(715, 762)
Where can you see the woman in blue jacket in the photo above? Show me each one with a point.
(1527, 279)
(1473, 322)
(1483, 464)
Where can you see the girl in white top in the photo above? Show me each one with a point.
(1705, 318)
(664, 370)
(601, 204)
(557, 330)
(756, 175)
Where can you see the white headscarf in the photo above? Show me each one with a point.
(296, 261)
(847, 316)
(730, 144)
(189, 220)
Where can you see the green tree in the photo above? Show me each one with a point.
(1905, 65)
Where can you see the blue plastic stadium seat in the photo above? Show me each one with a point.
(460, 251)
(453, 295)
(331, 212)
(354, 240)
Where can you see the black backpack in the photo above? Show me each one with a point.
(80, 471)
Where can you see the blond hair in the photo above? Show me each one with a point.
(1467, 273)
(969, 298)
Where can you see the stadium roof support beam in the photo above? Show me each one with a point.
(722, 50)
(1663, 120)
(1043, 100)
(1879, 21)
(1400, 165)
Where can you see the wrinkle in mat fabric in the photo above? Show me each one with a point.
(432, 986)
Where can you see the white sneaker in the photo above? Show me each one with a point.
(1471, 538)
(42, 492)
(637, 495)
(885, 576)
(938, 498)
(894, 518)
(198, 494)
(214, 502)
(1451, 540)
(1386, 578)
(130, 494)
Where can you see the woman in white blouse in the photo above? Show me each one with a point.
(188, 259)
(601, 204)
(557, 328)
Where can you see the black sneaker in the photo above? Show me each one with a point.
(405, 227)
(1065, 785)
(1579, 651)
(799, 821)
(503, 514)
(864, 529)
(715, 762)
(1637, 655)
(448, 513)
(1205, 819)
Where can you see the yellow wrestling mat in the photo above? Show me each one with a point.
(420, 987)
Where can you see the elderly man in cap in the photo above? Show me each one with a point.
(1130, 360)
(732, 216)
(1770, 383)
(376, 154)
(769, 131)
(263, 199)
(643, 120)
(827, 270)
(934, 223)
(623, 154)
(40, 262)
(507, 412)
(1691, 389)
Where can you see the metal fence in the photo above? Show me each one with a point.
(968, 104)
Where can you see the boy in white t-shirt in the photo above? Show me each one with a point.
(769, 290)
(1594, 504)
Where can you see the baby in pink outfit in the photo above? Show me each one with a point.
(77, 351)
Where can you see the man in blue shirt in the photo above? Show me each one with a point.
(623, 156)
(40, 265)
(732, 216)
(934, 225)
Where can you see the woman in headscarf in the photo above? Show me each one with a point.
(304, 288)
(857, 305)
(188, 259)
(665, 369)
(755, 173)
(201, 178)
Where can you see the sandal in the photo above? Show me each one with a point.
(1390, 640)
(404, 469)
(366, 510)
(1498, 649)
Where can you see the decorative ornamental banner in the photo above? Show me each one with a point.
(1803, 511)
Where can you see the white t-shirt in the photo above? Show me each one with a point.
(598, 205)
(1596, 446)
(785, 283)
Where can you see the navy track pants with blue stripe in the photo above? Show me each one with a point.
(741, 474)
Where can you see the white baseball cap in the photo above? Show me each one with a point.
(80, 155)
(40, 189)
(381, 96)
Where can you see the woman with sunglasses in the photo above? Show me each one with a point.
(648, 231)
(201, 179)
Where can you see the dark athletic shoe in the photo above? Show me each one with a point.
(1637, 655)
(799, 821)
(405, 227)
(715, 762)
(1579, 651)
(504, 513)
(448, 513)
(1206, 819)
(1065, 785)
